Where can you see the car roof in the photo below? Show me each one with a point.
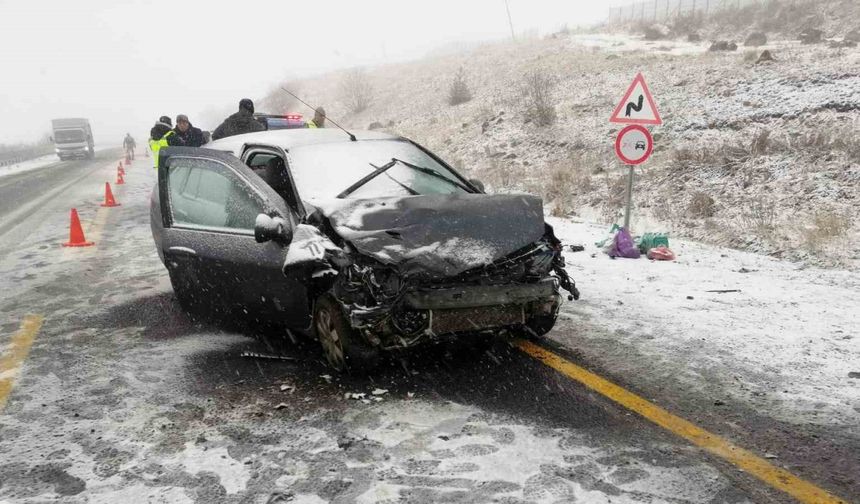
(291, 138)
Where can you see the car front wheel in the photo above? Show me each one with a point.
(342, 347)
(536, 327)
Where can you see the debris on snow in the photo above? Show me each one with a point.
(379, 392)
(256, 355)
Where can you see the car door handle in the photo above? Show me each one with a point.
(183, 251)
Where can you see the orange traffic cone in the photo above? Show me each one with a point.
(120, 169)
(119, 179)
(76, 233)
(109, 200)
(127, 160)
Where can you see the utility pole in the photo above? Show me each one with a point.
(510, 22)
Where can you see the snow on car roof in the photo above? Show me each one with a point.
(290, 138)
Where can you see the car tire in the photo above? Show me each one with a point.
(341, 345)
(536, 327)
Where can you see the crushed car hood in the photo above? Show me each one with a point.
(437, 235)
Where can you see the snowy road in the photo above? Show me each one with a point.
(122, 398)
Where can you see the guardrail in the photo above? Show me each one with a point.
(17, 156)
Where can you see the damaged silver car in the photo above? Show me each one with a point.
(367, 242)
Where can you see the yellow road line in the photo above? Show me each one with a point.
(13, 357)
(776, 477)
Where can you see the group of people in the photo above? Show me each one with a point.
(164, 134)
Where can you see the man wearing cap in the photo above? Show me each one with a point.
(241, 122)
(319, 119)
(185, 134)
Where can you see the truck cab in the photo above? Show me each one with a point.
(73, 138)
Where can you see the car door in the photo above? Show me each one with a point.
(210, 202)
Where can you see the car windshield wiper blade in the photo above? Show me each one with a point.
(381, 169)
(432, 173)
(367, 178)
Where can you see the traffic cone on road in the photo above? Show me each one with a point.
(119, 179)
(127, 160)
(120, 169)
(109, 200)
(76, 233)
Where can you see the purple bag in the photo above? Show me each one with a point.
(623, 246)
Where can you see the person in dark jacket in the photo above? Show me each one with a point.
(241, 122)
(185, 134)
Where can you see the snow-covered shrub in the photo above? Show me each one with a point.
(356, 90)
(459, 91)
(538, 90)
(701, 205)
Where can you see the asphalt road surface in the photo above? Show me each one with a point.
(109, 392)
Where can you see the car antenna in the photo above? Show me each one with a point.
(351, 136)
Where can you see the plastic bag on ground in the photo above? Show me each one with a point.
(623, 246)
(661, 253)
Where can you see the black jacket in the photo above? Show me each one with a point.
(238, 123)
(159, 130)
(191, 138)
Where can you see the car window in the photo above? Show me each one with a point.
(323, 171)
(206, 194)
(260, 159)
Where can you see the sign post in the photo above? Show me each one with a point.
(634, 143)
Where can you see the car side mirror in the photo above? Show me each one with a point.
(267, 228)
(477, 183)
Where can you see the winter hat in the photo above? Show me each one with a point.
(182, 117)
(165, 120)
(247, 104)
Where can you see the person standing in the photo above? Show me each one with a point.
(159, 136)
(319, 119)
(241, 122)
(129, 145)
(185, 134)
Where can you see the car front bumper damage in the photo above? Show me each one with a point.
(427, 314)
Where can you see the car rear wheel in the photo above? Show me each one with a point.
(343, 349)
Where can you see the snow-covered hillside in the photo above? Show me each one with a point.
(757, 156)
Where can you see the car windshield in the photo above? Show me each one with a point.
(323, 171)
(69, 136)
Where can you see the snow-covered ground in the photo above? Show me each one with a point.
(785, 343)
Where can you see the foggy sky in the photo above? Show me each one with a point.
(124, 63)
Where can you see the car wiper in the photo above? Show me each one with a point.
(367, 178)
(381, 169)
(432, 173)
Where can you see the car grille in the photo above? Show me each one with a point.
(475, 319)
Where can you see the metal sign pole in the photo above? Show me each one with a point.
(629, 198)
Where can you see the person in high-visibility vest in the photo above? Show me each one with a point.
(159, 135)
(319, 119)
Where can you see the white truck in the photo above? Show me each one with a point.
(73, 138)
